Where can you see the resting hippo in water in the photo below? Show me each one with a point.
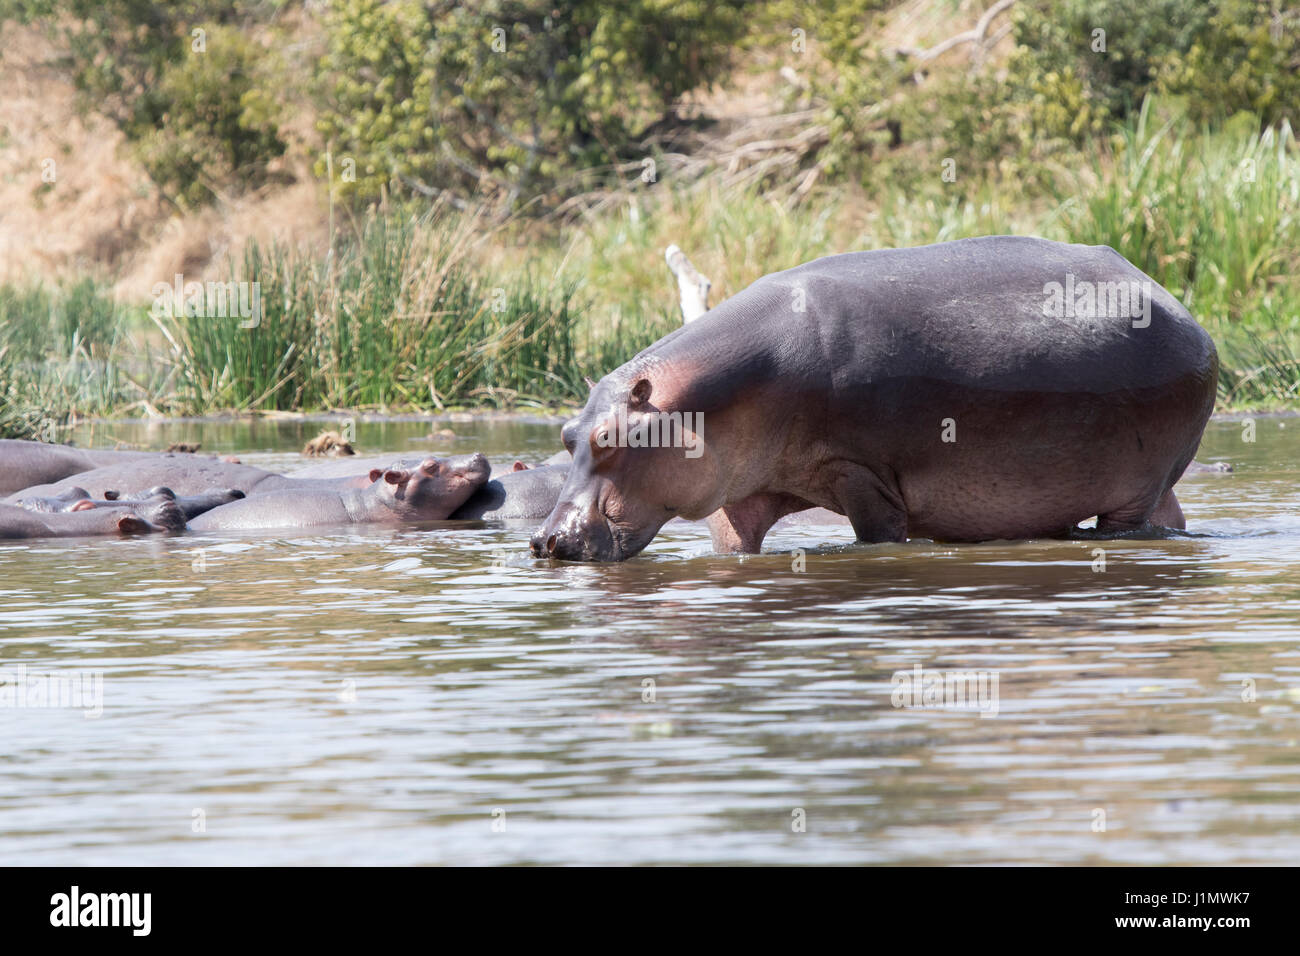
(429, 492)
(522, 492)
(926, 392)
(78, 499)
(151, 515)
(185, 475)
(27, 463)
(191, 505)
(354, 466)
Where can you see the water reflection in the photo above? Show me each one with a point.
(380, 696)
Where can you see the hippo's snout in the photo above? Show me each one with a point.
(473, 468)
(575, 535)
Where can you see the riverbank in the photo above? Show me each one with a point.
(414, 313)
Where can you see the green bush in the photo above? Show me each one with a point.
(211, 123)
(201, 122)
(506, 99)
(1246, 59)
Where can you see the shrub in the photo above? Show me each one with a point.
(507, 98)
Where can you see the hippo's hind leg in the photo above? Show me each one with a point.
(1166, 514)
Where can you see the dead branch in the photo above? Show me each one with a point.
(975, 35)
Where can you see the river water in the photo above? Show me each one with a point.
(436, 696)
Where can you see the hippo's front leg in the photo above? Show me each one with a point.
(875, 510)
(739, 528)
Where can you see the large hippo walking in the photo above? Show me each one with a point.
(1001, 387)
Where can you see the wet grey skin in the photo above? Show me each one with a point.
(524, 493)
(78, 499)
(345, 467)
(24, 464)
(185, 475)
(428, 492)
(191, 505)
(153, 515)
(932, 392)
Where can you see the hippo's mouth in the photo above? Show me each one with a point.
(624, 541)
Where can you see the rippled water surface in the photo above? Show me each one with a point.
(434, 695)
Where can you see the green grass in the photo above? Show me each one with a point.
(438, 311)
(66, 353)
(392, 317)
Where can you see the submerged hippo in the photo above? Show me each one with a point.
(27, 463)
(429, 492)
(141, 517)
(522, 492)
(185, 475)
(191, 505)
(1001, 387)
(78, 499)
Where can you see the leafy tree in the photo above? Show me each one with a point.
(507, 98)
(181, 79)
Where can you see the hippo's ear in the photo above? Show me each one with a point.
(132, 524)
(375, 473)
(569, 434)
(590, 383)
(518, 466)
(640, 393)
(397, 476)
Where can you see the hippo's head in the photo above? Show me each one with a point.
(63, 501)
(638, 461)
(142, 516)
(434, 488)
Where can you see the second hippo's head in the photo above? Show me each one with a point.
(434, 488)
(639, 459)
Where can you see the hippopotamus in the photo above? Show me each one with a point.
(186, 476)
(140, 517)
(27, 463)
(522, 492)
(994, 388)
(429, 492)
(78, 499)
(347, 467)
(191, 505)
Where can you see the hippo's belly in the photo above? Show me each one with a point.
(974, 465)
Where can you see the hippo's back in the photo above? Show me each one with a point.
(1000, 313)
